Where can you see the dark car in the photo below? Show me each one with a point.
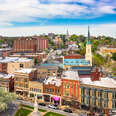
(42, 104)
(67, 110)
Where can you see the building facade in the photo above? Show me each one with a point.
(21, 81)
(30, 44)
(36, 89)
(11, 64)
(46, 71)
(52, 90)
(70, 89)
(98, 96)
(7, 82)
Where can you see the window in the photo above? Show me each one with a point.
(31, 95)
(105, 103)
(82, 91)
(82, 99)
(67, 86)
(99, 94)
(113, 104)
(105, 95)
(88, 101)
(99, 103)
(16, 78)
(67, 94)
(113, 95)
(55, 90)
(21, 65)
(72, 86)
(93, 92)
(25, 80)
(94, 102)
(87, 92)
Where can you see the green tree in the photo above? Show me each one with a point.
(5, 99)
(73, 38)
(114, 56)
(35, 61)
(98, 60)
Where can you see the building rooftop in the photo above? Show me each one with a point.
(70, 75)
(103, 82)
(6, 76)
(53, 80)
(76, 62)
(48, 67)
(14, 59)
(26, 70)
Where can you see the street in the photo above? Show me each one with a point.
(49, 109)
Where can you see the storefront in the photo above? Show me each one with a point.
(47, 98)
(56, 100)
(71, 103)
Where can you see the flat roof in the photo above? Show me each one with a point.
(14, 59)
(53, 80)
(48, 67)
(71, 75)
(3, 75)
(26, 70)
(103, 82)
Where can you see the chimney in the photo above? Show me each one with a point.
(96, 74)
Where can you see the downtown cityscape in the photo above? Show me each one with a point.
(58, 58)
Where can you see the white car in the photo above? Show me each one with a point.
(53, 107)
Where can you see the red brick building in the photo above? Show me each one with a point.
(3, 67)
(52, 90)
(70, 89)
(30, 44)
(7, 82)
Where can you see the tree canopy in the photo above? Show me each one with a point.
(5, 99)
(114, 56)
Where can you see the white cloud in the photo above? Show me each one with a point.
(107, 9)
(29, 10)
(96, 30)
(66, 1)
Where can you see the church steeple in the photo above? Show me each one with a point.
(88, 40)
(67, 34)
(88, 55)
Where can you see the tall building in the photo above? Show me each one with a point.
(30, 44)
(88, 55)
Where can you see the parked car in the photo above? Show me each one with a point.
(53, 107)
(19, 98)
(67, 110)
(42, 104)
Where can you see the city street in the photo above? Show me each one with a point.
(49, 109)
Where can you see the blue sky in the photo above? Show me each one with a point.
(27, 14)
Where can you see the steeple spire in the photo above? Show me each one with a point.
(88, 41)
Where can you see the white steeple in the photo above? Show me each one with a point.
(88, 55)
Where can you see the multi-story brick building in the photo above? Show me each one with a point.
(45, 71)
(70, 89)
(11, 64)
(38, 56)
(7, 82)
(30, 44)
(36, 89)
(52, 90)
(21, 81)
